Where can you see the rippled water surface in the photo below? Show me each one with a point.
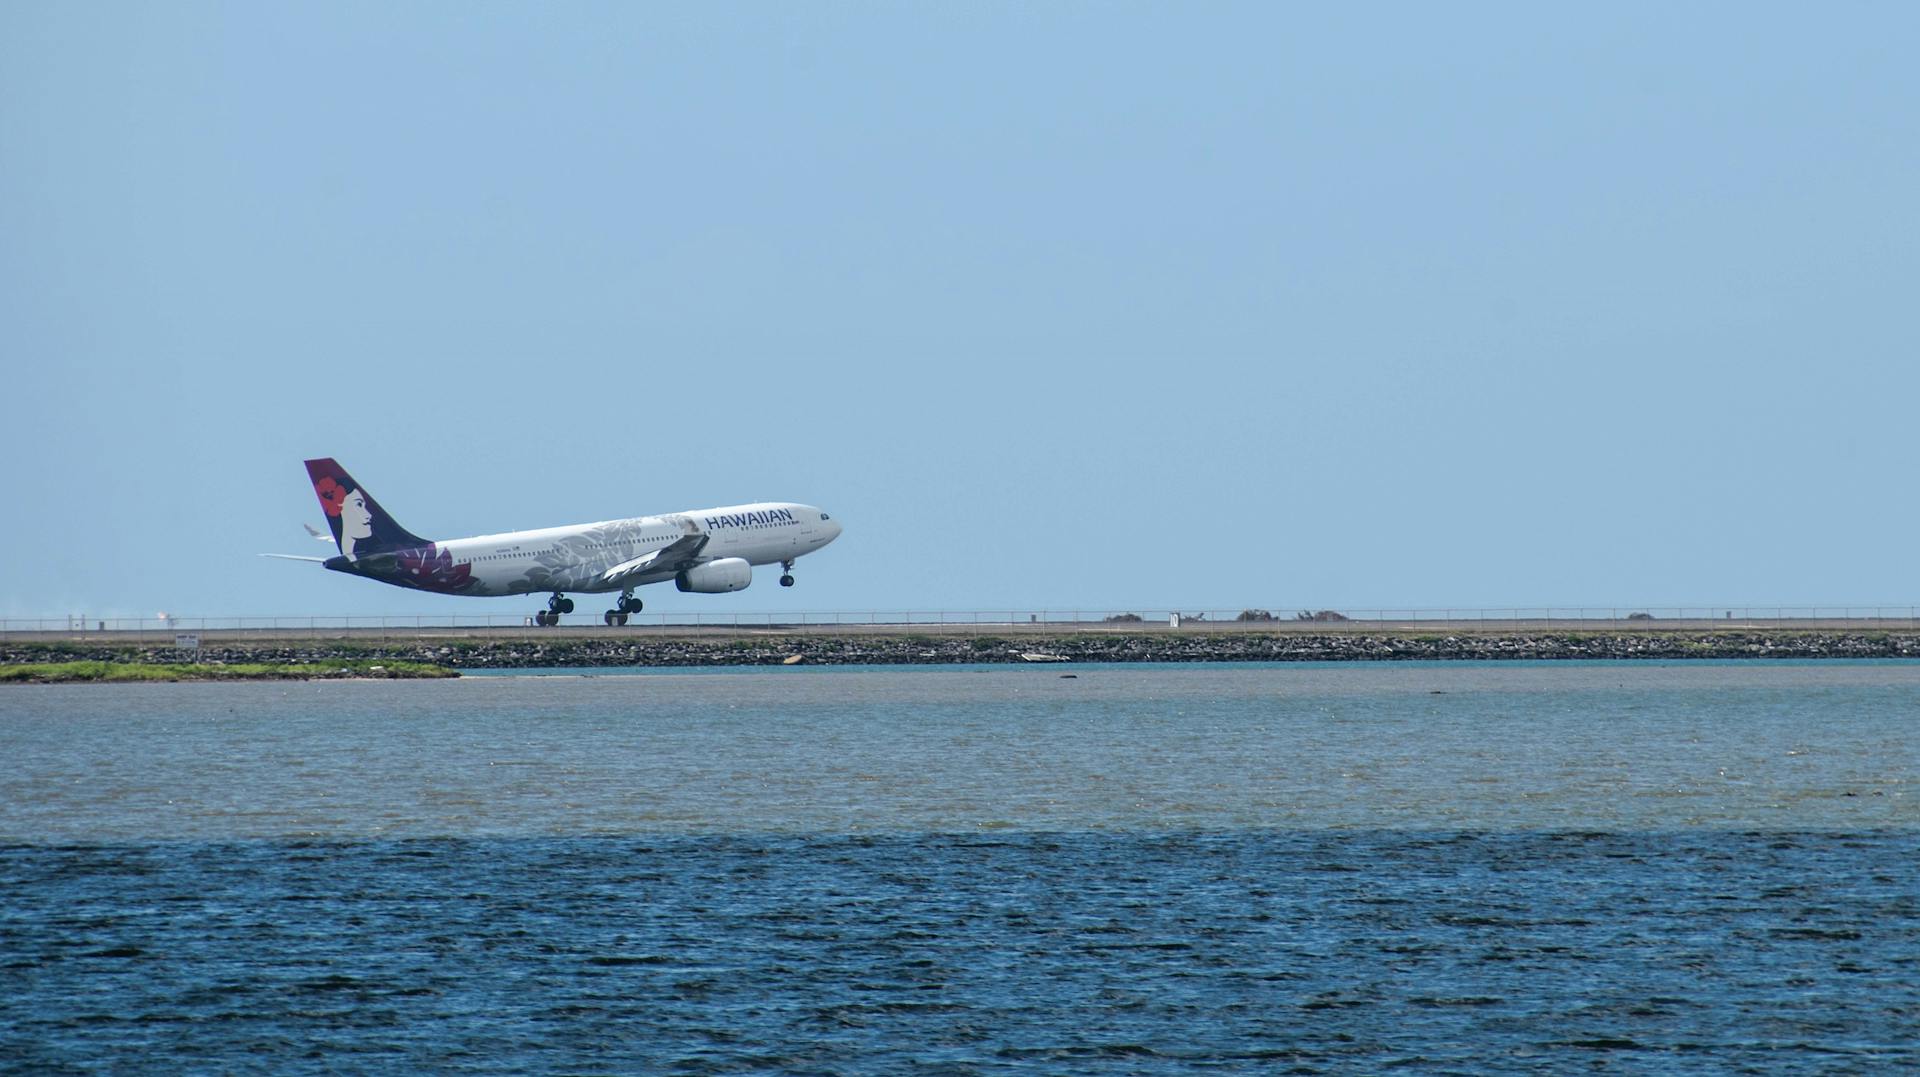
(1474, 867)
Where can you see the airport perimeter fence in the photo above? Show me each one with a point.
(1252, 619)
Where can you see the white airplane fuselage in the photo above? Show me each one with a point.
(578, 557)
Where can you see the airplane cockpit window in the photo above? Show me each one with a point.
(824, 516)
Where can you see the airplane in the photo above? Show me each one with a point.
(707, 551)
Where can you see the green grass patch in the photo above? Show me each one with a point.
(96, 671)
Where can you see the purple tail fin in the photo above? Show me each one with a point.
(360, 526)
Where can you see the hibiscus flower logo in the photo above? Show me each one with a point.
(432, 569)
(332, 495)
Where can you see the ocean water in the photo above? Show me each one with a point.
(1456, 867)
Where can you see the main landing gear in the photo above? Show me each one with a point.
(626, 605)
(786, 573)
(556, 606)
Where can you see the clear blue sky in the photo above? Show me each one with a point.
(1095, 305)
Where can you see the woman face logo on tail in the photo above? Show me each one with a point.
(356, 521)
(349, 506)
(359, 525)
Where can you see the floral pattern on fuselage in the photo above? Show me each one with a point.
(575, 562)
(430, 568)
(423, 568)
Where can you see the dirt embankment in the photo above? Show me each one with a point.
(846, 649)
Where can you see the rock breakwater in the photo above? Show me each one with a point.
(619, 649)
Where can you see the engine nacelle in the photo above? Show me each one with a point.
(716, 577)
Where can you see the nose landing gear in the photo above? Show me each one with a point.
(786, 573)
(626, 605)
(556, 606)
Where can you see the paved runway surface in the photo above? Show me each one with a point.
(586, 626)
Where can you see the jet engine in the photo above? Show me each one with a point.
(716, 577)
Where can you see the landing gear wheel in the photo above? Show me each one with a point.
(786, 573)
(615, 617)
(566, 605)
(627, 603)
(546, 619)
(786, 581)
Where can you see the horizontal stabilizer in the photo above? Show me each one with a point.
(296, 557)
(319, 536)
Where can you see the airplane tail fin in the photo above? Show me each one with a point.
(360, 526)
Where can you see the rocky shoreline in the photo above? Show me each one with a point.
(891, 649)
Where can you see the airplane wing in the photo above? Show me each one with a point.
(657, 565)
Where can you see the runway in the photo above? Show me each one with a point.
(290, 631)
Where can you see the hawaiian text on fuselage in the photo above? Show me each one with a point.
(750, 519)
